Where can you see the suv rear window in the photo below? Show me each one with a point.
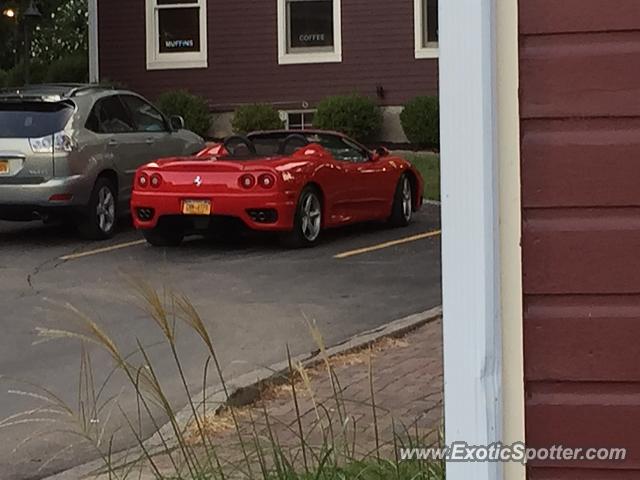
(21, 119)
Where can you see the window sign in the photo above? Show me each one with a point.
(310, 24)
(179, 30)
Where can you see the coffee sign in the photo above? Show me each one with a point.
(311, 24)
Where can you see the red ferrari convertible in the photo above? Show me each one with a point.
(296, 184)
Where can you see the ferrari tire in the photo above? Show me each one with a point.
(167, 233)
(307, 222)
(100, 219)
(402, 209)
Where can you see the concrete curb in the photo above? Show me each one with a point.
(246, 388)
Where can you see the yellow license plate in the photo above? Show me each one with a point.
(4, 167)
(196, 207)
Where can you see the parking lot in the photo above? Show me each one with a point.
(254, 296)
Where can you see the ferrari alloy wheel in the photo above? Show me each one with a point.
(99, 221)
(307, 223)
(402, 210)
(311, 217)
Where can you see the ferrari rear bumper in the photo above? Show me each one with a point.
(268, 211)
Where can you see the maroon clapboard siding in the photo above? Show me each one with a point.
(580, 153)
(378, 50)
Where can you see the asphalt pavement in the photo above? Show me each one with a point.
(254, 297)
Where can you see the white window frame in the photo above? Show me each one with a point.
(420, 50)
(284, 115)
(290, 58)
(177, 60)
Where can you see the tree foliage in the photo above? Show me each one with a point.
(62, 31)
(58, 38)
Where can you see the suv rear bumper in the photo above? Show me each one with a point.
(69, 191)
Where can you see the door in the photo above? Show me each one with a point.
(358, 198)
(113, 125)
(153, 128)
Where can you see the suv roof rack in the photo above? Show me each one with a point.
(52, 90)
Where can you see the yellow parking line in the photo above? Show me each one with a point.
(98, 251)
(392, 243)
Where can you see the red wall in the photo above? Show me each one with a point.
(378, 49)
(580, 145)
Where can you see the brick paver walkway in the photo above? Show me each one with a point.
(407, 380)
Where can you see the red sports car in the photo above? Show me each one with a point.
(296, 184)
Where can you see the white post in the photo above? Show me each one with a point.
(94, 60)
(472, 333)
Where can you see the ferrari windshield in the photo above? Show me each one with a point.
(285, 143)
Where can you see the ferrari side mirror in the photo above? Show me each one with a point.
(382, 151)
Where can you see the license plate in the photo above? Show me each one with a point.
(196, 207)
(4, 167)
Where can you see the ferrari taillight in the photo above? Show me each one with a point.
(247, 181)
(155, 180)
(266, 180)
(143, 180)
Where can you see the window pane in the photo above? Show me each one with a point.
(112, 116)
(295, 121)
(145, 117)
(310, 23)
(179, 29)
(430, 22)
(308, 119)
(37, 119)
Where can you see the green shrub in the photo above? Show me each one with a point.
(421, 121)
(192, 108)
(250, 118)
(355, 115)
(3, 78)
(70, 69)
(15, 75)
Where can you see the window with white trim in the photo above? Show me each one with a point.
(176, 34)
(298, 119)
(309, 31)
(426, 28)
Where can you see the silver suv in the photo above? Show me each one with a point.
(72, 150)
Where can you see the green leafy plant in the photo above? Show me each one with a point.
(250, 118)
(72, 68)
(421, 121)
(3, 78)
(192, 108)
(355, 115)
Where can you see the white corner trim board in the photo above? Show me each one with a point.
(470, 241)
